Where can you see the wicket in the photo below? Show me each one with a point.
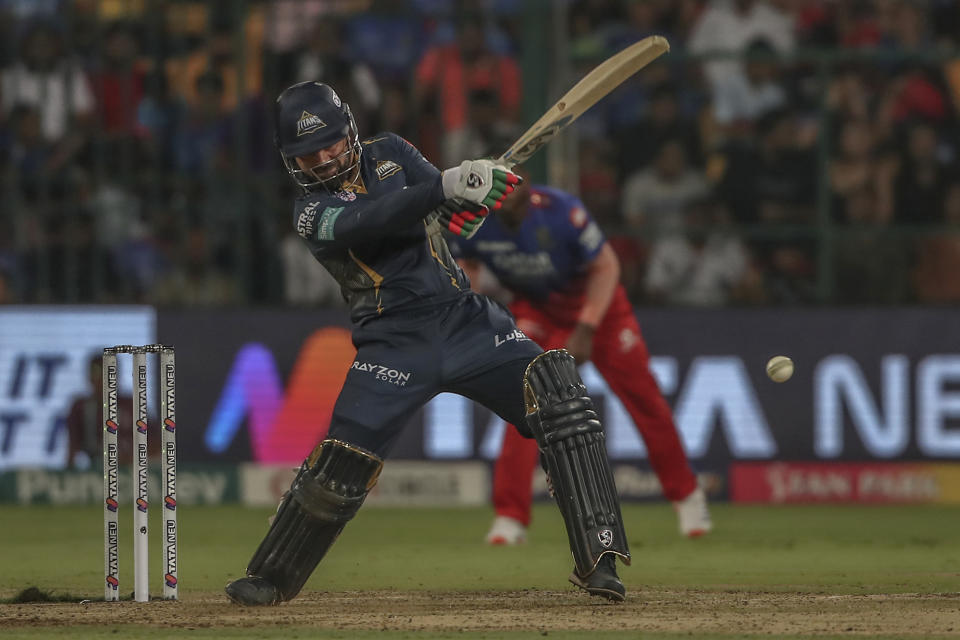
(111, 535)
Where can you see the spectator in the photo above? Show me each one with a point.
(305, 281)
(30, 154)
(395, 112)
(195, 280)
(10, 260)
(702, 264)
(661, 122)
(921, 180)
(287, 27)
(487, 133)
(870, 260)
(732, 26)
(859, 172)
(744, 98)
(326, 59)
(654, 198)
(159, 118)
(598, 181)
(7, 293)
(83, 270)
(449, 73)
(388, 37)
(85, 424)
(938, 256)
(204, 139)
(774, 180)
(46, 80)
(788, 272)
(240, 77)
(118, 82)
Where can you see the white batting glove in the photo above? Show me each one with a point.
(481, 181)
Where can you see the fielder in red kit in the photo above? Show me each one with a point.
(548, 252)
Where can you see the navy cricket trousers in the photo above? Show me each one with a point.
(470, 347)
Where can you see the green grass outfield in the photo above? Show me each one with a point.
(819, 550)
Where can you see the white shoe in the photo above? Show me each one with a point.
(693, 516)
(506, 531)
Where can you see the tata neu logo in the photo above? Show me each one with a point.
(283, 427)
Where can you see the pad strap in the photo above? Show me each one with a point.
(561, 416)
(327, 492)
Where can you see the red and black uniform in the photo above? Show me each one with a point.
(545, 263)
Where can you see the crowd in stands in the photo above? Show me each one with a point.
(786, 152)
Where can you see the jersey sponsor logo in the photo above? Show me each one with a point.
(592, 237)
(516, 336)
(386, 168)
(306, 219)
(380, 372)
(524, 265)
(628, 339)
(496, 245)
(327, 219)
(347, 196)
(578, 217)
(308, 123)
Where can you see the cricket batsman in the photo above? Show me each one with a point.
(373, 212)
(546, 249)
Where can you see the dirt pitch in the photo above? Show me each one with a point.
(687, 612)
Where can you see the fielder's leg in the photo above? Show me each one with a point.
(327, 492)
(560, 414)
(621, 356)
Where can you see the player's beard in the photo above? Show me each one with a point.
(337, 173)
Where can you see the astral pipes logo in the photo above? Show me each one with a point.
(380, 372)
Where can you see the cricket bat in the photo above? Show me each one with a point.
(606, 77)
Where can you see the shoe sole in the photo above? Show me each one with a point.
(609, 594)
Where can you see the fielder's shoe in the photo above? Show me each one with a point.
(604, 581)
(506, 531)
(693, 516)
(252, 591)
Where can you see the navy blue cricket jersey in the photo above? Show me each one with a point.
(380, 250)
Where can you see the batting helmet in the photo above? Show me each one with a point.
(308, 117)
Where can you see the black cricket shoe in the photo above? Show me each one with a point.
(253, 591)
(603, 581)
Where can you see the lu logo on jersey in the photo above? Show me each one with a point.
(308, 123)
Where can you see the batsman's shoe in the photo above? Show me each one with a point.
(506, 532)
(693, 516)
(604, 581)
(252, 591)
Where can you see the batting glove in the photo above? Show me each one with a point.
(460, 217)
(481, 181)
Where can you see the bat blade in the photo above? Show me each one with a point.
(606, 77)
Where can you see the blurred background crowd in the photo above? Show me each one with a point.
(786, 152)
